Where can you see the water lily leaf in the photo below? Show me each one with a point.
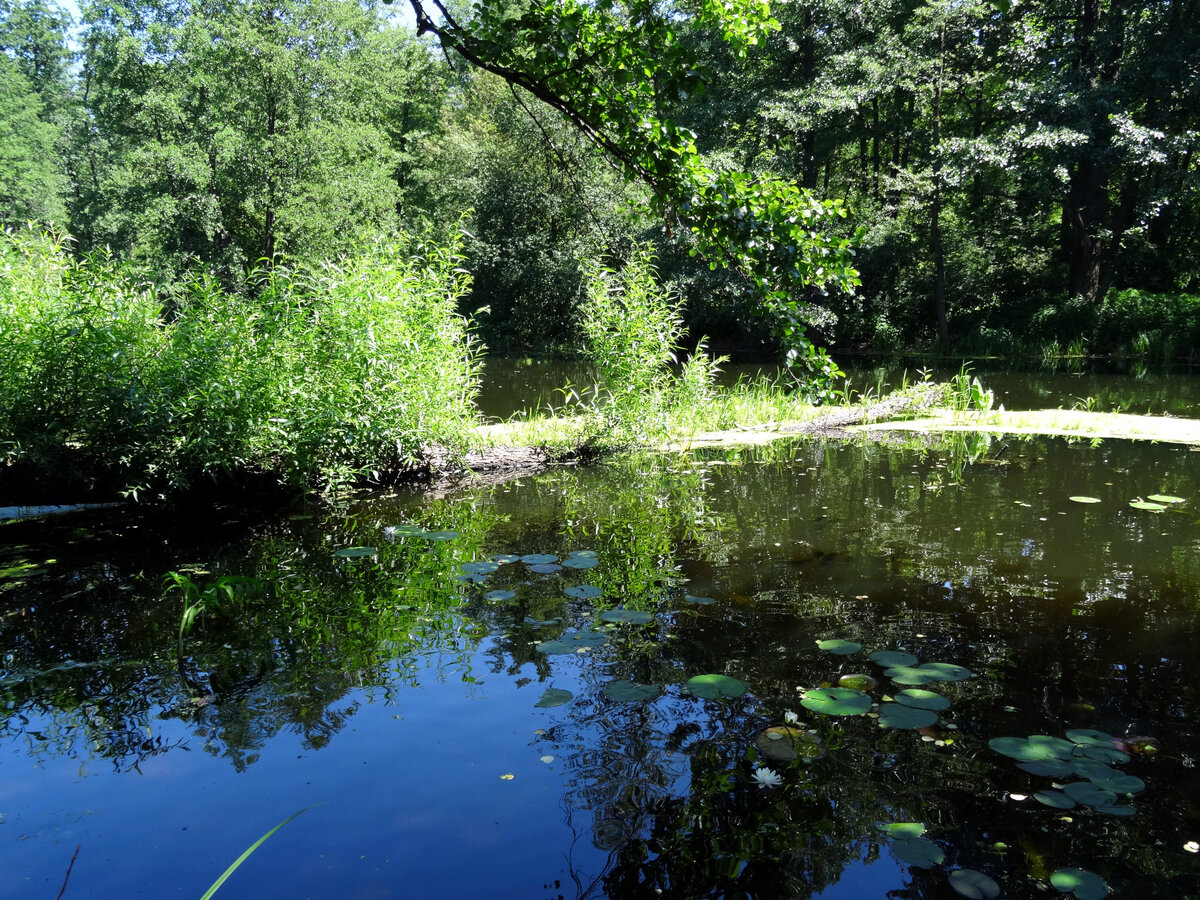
(554, 697)
(479, 568)
(1165, 498)
(1085, 499)
(356, 552)
(627, 616)
(838, 647)
(538, 559)
(903, 829)
(919, 699)
(1083, 884)
(541, 623)
(1110, 755)
(545, 568)
(1116, 810)
(584, 592)
(440, 535)
(1090, 737)
(592, 554)
(836, 701)
(1118, 783)
(1051, 767)
(909, 675)
(628, 692)
(1093, 770)
(471, 579)
(699, 601)
(858, 682)
(973, 884)
(1089, 794)
(1143, 504)
(785, 743)
(945, 671)
(716, 687)
(570, 643)
(503, 559)
(408, 531)
(1054, 799)
(496, 596)
(1034, 747)
(918, 851)
(581, 562)
(893, 658)
(897, 715)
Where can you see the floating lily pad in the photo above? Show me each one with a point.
(496, 596)
(893, 658)
(586, 554)
(1054, 799)
(1145, 504)
(581, 562)
(1085, 499)
(919, 699)
(1090, 737)
(858, 682)
(1110, 755)
(570, 643)
(503, 559)
(471, 579)
(903, 829)
(838, 647)
(1118, 782)
(1083, 884)
(545, 568)
(716, 687)
(1165, 498)
(541, 623)
(1094, 771)
(836, 701)
(699, 601)
(897, 715)
(926, 673)
(356, 552)
(627, 616)
(1034, 747)
(584, 592)
(440, 535)
(1089, 794)
(538, 559)
(408, 531)
(1051, 767)
(554, 697)
(918, 851)
(785, 743)
(480, 567)
(973, 884)
(629, 692)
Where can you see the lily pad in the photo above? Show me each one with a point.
(407, 531)
(836, 701)
(897, 715)
(1090, 737)
(356, 552)
(545, 568)
(918, 851)
(1110, 755)
(440, 535)
(893, 658)
(785, 743)
(541, 623)
(629, 692)
(471, 579)
(479, 568)
(858, 682)
(538, 559)
(1089, 794)
(497, 596)
(573, 642)
(699, 601)
(919, 699)
(1145, 504)
(1034, 747)
(1051, 767)
(584, 592)
(1085, 499)
(716, 687)
(1083, 884)
(903, 829)
(554, 697)
(1165, 498)
(581, 562)
(926, 673)
(1118, 782)
(973, 884)
(838, 647)
(503, 559)
(627, 616)
(1114, 810)
(583, 554)
(1054, 799)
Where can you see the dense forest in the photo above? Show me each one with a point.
(1014, 175)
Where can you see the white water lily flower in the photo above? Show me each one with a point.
(390, 532)
(766, 778)
(791, 718)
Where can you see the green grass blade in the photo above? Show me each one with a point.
(246, 854)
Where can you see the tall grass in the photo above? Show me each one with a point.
(320, 374)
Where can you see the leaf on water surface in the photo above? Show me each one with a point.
(583, 554)
(839, 647)
(919, 699)
(699, 601)
(584, 592)
(627, 616)
(858, 682)
(1165, 498)
(408, 531)
(356, 552)
(570, 643)
(716, 687)
(1083, 884)
(1110, 755)
(1051, 767)
(581, 562)
(1054, 799)
(926, 673)
(973, 884)
(893, 658)
(836, 701)
(496, 596)
(1113, 810)
(897, 715)
(903, 829)
(1143, 504)
(479, 568)
(541, 623)
(630, 692)
(545, 568)
(1085, 499)
(1033, 748)
(918, 851)
(471, 579)
(504, 559)
(441, 535)
(1117, 782)
(1090, 736)
(554, 697)
(1089, 794)
(538, 559)
(785, 743)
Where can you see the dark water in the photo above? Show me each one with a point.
(404, 701)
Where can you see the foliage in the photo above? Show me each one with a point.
(330, 373)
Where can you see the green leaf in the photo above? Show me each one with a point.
(919, 699)
(836, 701)
(897, 715)
(838, 647)
(918, 851)
(1165, 498)
(716, 687)
(356, 552)
(1085, 499)
(903, 829)
(1054, 799)
(1033, 748)
(629, 692)
(572, 643)
(553, 697)
(627, 616)
(973, 884)
(1083, 884)
(584, 592)
(893, 658)
(215, 886)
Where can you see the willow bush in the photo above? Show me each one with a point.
(318, 375)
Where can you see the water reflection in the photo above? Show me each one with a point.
(965, 551)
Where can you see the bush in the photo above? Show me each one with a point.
(322, 375)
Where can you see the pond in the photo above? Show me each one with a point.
(573, 685)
